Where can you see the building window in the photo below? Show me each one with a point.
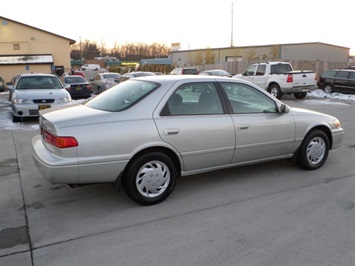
(16, 46)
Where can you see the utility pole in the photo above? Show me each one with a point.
(81, 52)
(232, 27)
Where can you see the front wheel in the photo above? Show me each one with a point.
(275, 91)
(300, 95)
(16, 119)
(313, 151)
(150, 178)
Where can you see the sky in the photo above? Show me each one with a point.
(195, 24)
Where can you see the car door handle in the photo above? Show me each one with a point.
(171, 131)
(243, 126)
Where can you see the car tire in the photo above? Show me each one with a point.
(99, 90)
(300, 95)
(313, 151)
(328, 88)
(16, 119)
(275, 91)
(150, 178)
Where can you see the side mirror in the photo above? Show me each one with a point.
(283, 109)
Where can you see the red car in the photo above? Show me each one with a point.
(78, 72)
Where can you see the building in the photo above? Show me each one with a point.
(26, 49)
(234, 59)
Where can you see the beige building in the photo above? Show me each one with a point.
(26, 49)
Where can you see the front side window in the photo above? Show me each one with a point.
(250, 71)
(194, 99)
(245, 99)
(122, 96)
(329, 74)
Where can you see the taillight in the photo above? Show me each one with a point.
(58, 141)
(289, 78)
(315, 76)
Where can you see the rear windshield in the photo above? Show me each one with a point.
(122, 96)
(38, 82)
(281, 68)
(142, 74)
(190, 71)
(70, 80)
(111, 76)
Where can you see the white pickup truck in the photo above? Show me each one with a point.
(279, 78)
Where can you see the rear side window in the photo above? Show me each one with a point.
(352, 75)
(260, 71)
(342, 74)
(199, 98)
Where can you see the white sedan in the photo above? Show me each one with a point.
(34, 92)
(154, 129)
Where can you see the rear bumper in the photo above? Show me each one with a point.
(53, 168)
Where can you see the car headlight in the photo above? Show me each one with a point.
(64, 100)
(21, 101)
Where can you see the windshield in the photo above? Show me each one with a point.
(122, 96)
(39, 82)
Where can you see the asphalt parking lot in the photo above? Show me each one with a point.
(267, 214)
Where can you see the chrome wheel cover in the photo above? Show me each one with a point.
(152, 179)
(274, 91)
(328, 89)
(316, 150)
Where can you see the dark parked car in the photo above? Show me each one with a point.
(79, 87)
(338, 80)
(2, 84)
(184, 71)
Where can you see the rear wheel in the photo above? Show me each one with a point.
(328, 88)
(150, 178)
(300, 95)
(275, 91)
(313, 151)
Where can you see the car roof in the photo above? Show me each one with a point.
(191, 78)
(37, 74)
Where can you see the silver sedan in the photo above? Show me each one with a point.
(157, 128)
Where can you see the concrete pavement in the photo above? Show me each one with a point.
(268, 214)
